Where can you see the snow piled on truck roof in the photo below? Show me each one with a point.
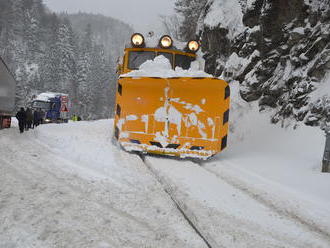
(162, 68)
(45, 97)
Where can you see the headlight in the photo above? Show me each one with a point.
(166, 42)
(137, 40)
(193, 46)
(47, 120)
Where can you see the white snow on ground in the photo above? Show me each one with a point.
(227, 215)
(280, 166)
(265, 190)
(161, 67)
(68, 186)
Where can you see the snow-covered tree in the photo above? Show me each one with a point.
(47, 53)
(190, 11)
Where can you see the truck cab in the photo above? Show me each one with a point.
(180, 113)
(53, 106)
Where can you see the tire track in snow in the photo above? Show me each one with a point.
(180, 207)
(73, 182)
(243, 187)
(71, 185)
(66, 190)
(168, 187)
(37, 170)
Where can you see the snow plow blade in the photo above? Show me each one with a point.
(184, 117)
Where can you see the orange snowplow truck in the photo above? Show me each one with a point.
(185, 117)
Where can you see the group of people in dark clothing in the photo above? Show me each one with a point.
(29, 119)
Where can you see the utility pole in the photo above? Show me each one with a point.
(326, 156)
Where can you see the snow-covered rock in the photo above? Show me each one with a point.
(279, 51)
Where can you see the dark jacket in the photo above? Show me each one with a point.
(29, 115)
(21, 116)
(36, 116)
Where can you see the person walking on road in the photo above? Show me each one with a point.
(21, 117)
(41, 116)
(29, 119)
(36, 118)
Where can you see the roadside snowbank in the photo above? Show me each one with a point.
(265, 190)
(280, 165)
(227, 215)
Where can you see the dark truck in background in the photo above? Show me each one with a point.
(7, 95)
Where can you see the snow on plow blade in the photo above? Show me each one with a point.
(185, 117)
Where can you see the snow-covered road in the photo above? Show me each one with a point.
(265, 190)
(69, 186)
(229, 215)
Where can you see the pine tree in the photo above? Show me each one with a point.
(33, 31)
(100, 75)
(83, 73)
(66, 53)
(45, 54)
(190, 11)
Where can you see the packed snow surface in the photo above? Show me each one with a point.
(161, 67)
(69, 186)
(265, 190)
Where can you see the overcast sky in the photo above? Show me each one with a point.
(141, 14)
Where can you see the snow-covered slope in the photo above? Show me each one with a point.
(68, 186)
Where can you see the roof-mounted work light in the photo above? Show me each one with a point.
(137, 40)
(193, 46)
(166, 42)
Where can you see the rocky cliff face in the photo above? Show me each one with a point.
(278, 50)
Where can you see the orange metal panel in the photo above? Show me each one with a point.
(184, 111)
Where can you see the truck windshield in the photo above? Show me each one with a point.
(135, 59)
(42, 105)
(183, 61)
(169, 56)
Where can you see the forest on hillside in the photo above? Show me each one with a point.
(278, 51)
(50, 52)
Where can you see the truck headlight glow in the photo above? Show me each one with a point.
(193, 46)
(166, 42)
(137, 40)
